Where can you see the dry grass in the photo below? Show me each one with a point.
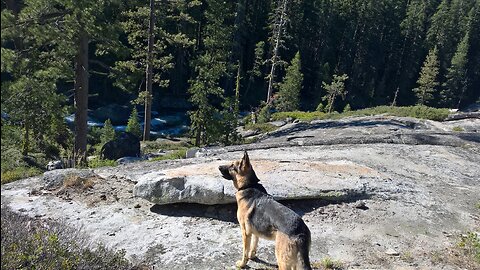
(465, 254)
(328, 263)
(75, 181)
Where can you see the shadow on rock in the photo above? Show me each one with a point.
(227, 212)
(223, 212)
(304, 206)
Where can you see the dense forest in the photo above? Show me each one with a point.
(70, 56)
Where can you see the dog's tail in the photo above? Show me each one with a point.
(304, 243)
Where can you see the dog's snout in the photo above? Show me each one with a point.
(225, 173)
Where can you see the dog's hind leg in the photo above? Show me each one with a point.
(253, 247)
(286, 252)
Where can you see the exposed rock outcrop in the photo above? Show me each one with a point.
(287, 180)
(55, 179)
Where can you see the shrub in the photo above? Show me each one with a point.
(19, 173)
(50, 245)
(11, 154)
(320, 107)
(155, 146)
(264, 114)
(457, 129)
(261, 127)
(422, 112)
(469, 244)
(328, 263)
(98, 162)
(177, 154)
(304, 116)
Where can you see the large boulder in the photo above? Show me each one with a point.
(159, 188)
(202, 183)
(125, 145)
(117, 114)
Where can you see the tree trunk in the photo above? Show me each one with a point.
(148, 98)
(278, 36)
(331, 103)
(81, 99)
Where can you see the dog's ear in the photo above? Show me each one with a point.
(245, 163)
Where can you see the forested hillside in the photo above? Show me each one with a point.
(61, 57)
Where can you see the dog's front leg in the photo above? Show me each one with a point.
(246, 239)
(253, 247)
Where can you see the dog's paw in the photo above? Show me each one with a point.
(241, 264)
(252, 255)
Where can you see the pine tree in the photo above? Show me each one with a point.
(428, 81)
(29, 95)
(210, 67)
(439, 32)
(64, 31)
(334, 89)
(289, 93)
(108, 132)
(133, 125)
(148, 61)
(457, 81)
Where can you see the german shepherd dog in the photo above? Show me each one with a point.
(260, 215)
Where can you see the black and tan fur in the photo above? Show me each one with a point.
(260, 215)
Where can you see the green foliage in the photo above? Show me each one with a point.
(133, 125)
(304, 116)
(108, 132)
(334, 89)
(347, 108)
(98, 162)
(320, 107)
(422, 112)
(458, 129)
(289, 93)
(261, 127)
(428, 80)
(329, 263)
(457, 81)
(229, 122)
(210, 67)
(19, 173)
(175, 154)
(155, 146)
(11, 148)
(264, 114)
(51, 247)
(470, 245)
(201, 45)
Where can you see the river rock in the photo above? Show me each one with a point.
(125, 145)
